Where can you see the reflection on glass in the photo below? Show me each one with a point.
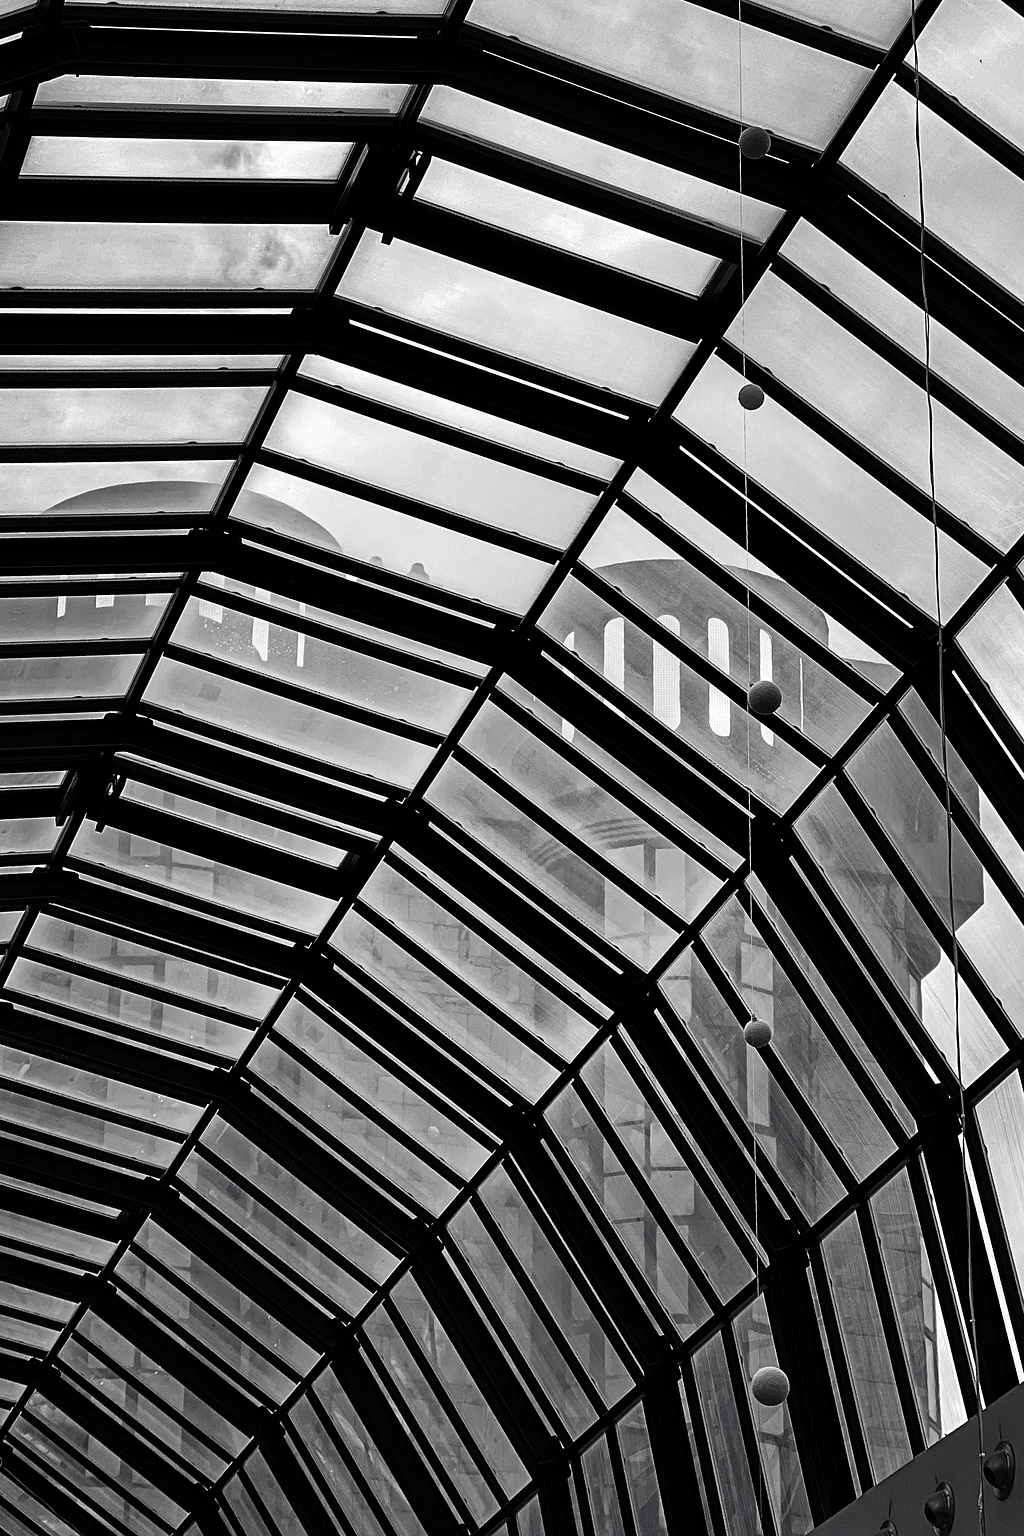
(189, 159)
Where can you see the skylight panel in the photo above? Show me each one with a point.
(183, 415)
(991, 32)
(185, 159)
(210, 94)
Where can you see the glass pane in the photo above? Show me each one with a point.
(476, 118)
(691, 54)
(874, 1382)
(918, 1310)
(65, 677)
(366, 1455)
(783, 1478)
(189, 159)
(187, 488)
(219, 256)
(728, 1454)
(1001, 1120)
(396, 541)
(82, 615)
(963, 29)
(508, 316)
(193, 415)
(434, 473)
(218, 95)
(549, 222)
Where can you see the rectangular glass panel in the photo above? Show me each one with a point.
(575, 230)
(187, 873)
(365, 945)
(366, 1455)
(219, 256)
(261, 832)
(188, 488)
(835, 495)
(691, 54)
(725, 1436)
(298, 727)
(377, 535)
(189, 415)
(24, 678)
(548, 144)
(85, 1131)
(508, 316)
(189, 159)
(81, 615)
(773, 1427)
(35, 834)
(218, 95)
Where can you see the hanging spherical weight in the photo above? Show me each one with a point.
(770, 1386)
(764, 698)
(755, 143)
(758, 1033)
(751, 397)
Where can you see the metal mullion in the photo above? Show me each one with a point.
(571, 187)
(65, 1147)
(842, 923)
(419, 1437)
(397, 501)
(193, 730)
(841, 1366)
(768, 516)
(370, 1110)
(532, 896)
(114, 453)
(892, 352)
(504, 1336)
(536, 1299)
(267, 683)
(761, 606)
(444, 1397)
(558, 745)
(64, 1213)
(125, 1425)
(705, 669)
(452, 978)
(860, 454)
(933, 920)
(748, 1430)
(740, 1128)
(340, 639)
(178, 901)
(575, 844)
(949, 1303)
(77, 585)
(79, 13)
(516, 956)
(891, 1329)
(102, 704)
(16, 648)
(815, 1128)
(380, 1187)
(702, 1445)
(963, 822)
(191, 299)
(666, 1226)
(280, 201)
(343, 1454)
(689, 1149)
(442, 432)
(830, 1028)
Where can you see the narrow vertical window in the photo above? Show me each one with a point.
(62, 606)
(300, 645)
(261, 631)
(568, 729)
(615, 652)
(667, 678)
(719, 710)
(104, 600)
(766, 674)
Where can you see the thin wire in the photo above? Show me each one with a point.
(954, 942)
(752, 1058)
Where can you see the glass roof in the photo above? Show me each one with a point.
(389, 859)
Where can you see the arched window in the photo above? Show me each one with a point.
(667, 673)
(719, 655)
